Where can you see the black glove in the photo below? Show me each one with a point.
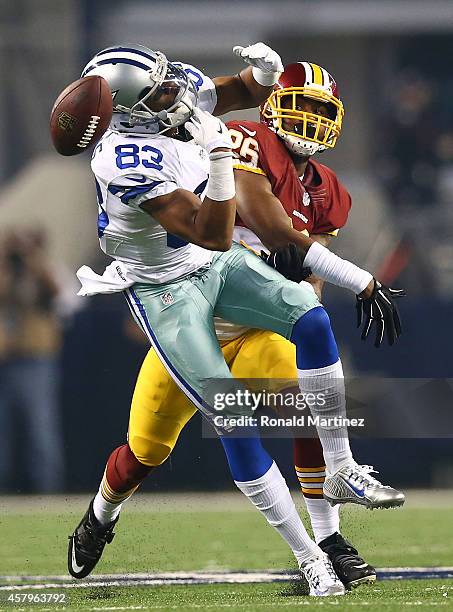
(380, 309)
(289, 261)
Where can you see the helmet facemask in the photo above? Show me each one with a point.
(313, 132)
(165, 79)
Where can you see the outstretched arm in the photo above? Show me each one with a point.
(264, 214)
(315, 281)
(253, 85)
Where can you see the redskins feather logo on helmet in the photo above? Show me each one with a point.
(312, 132)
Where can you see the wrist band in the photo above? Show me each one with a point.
(335, 270)
(220, 155)
(221, 177)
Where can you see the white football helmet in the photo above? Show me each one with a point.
(137, 76)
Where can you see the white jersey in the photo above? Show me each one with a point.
(132, 168)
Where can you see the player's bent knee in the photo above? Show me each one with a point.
(148, 452)
(315, 343)
(312, 326)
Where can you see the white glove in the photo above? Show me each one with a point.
(208, 131)
(267, 64)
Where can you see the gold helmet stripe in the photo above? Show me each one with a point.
(318, 76)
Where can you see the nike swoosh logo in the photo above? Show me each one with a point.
(360, 566)
(75, 566)
(359, 492)
(247, 131)
(220, 131)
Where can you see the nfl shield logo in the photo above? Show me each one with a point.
(66, 122)
(167, 299)
(306, 199)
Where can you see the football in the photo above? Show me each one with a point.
(81, 114)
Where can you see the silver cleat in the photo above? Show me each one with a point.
(321, 577)
(354, 484)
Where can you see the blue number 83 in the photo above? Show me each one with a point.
(131, 156)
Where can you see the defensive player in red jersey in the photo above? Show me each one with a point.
(279, 189)
(279, 185)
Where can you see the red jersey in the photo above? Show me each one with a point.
(317, 202)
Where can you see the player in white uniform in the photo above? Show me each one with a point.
(128, 233)
(173, 258)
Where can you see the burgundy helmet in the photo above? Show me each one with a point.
(312, 132)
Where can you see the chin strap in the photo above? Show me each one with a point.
(308, 149)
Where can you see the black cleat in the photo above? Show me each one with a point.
(87, 543)
(351, 569)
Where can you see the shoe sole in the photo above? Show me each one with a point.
(338, 594)
(368, 505)
(366, 580)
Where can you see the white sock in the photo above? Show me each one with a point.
(271, 496)
(328, 385)
(325, 519)
(105, 511)
(108, 503)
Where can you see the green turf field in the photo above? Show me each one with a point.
(223, 532)
(388, 597)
